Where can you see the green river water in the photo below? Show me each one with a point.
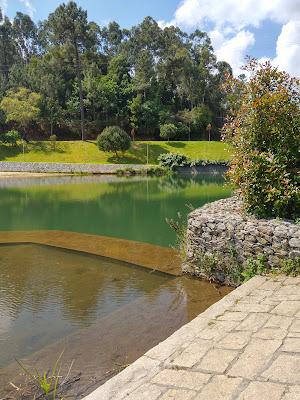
(134, 209)
(101, 313)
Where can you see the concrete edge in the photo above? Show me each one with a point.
(149, 364)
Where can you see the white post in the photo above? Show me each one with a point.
(147, 153)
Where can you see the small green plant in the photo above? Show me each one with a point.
(290, 267)
(255, 266)
(45, 385)
(53, 139)
(158, 171)
(220, 268)
(113, 139)
(173, 160)
(147, 171)
(179, 226)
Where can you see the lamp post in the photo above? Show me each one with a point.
(208, 128)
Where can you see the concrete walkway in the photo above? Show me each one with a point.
(245, 347)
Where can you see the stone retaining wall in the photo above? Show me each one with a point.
(222, 227)
(64, 168)
(211, 169)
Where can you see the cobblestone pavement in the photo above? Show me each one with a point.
(245, 347)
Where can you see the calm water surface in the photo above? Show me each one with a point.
(58, 291)
(134, 209)
(102, 313)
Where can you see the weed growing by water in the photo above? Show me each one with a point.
(290, 267)
(255, 266)
(48, 385)
(179, 226)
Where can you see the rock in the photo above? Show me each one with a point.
(222, 226)
(294, 254)
(294, 242)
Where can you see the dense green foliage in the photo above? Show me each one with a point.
(113, 139)
(265, 130)
(10, 137)
(174, 160)
(21, 107)
(88, 77)
(168, 131)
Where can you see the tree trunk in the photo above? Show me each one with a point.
(78, 72)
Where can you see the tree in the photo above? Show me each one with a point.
(168, 131)
(91, 77)
(112, 37)
(21, 107)
(264, 131)
(113, 139)
(201, 117)
(10, 137)
(25, 33)
(7, 48)
(68, 25)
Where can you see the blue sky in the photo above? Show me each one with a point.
(245, 31)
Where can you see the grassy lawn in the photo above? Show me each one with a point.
(87, 152)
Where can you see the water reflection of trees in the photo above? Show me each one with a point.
(130, 209)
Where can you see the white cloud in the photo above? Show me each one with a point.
(231, 21)
(239, 14)
(288, 48)
(3, 5)
(29, 6)
(232, 50)
(27, 3)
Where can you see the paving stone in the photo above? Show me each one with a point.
(288, 290)
(288, 308)
(295, 326)
(253, 299)
(279, 321)
(253, 322)
(192, 354)
(126, 381)
(262, 391)
(291, 345)
(270, 333)
(290, 280)
(233, 316)
(285, 369)
(183, 379)
(217, 360)
(252, 308)
(220, 388)
(271, 285)
(234, 340)
(176, 394)
(293, 393)
(294, 334)
(148, 391)
(255, 356)
(217, 329)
